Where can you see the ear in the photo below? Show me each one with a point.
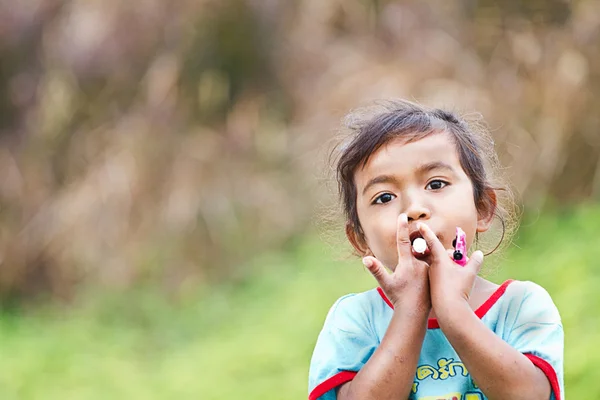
(486, 210)
(357, 241)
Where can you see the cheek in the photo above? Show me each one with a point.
(470, 228)
(467, 216)
(380, 230)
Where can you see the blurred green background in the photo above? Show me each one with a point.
(165, 199)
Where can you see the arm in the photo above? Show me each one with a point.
(500, 371)
(390, 372)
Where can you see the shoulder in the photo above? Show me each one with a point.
(527, 291)
(531, 302)
(525, 288)
(355, 308)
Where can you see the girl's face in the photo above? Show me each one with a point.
(423, 179)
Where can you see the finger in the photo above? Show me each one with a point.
(475, 262)
(435, 246)
(378, 271)
(403, 240)
(451, 255)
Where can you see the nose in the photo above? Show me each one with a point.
(415, 208)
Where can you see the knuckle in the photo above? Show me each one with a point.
(404, 240)
(377, 272)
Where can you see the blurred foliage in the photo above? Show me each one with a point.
(167, 143)
(253, 339)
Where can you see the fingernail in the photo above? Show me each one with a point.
(478, 254)
(367, 262)
(404, 217)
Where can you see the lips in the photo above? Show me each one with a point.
(421, 256)
(413, 236)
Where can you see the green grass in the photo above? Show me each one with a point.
(253, 339)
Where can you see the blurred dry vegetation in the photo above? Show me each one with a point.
(165, 143)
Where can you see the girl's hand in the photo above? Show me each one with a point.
(449, 282)
(408, 284)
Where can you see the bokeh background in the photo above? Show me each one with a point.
(165, 203)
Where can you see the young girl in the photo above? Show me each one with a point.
(433, 329)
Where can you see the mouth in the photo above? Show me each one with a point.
(414, 235)
(418, 245)
(419, 251)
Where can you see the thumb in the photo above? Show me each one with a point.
(377, 269)
(475, 262)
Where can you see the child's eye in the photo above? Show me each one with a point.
(384, 198)
(436, 184)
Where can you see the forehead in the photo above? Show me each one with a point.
(399, 157)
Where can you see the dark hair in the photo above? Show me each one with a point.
(371, 128)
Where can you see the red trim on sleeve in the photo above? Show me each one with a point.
(549, 371)
(432, 323)
(331, 383)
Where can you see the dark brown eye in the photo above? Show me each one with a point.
(436, 185)
(384, 198)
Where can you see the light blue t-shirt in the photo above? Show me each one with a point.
(521, 313)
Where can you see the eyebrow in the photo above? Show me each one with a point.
(422, 169)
